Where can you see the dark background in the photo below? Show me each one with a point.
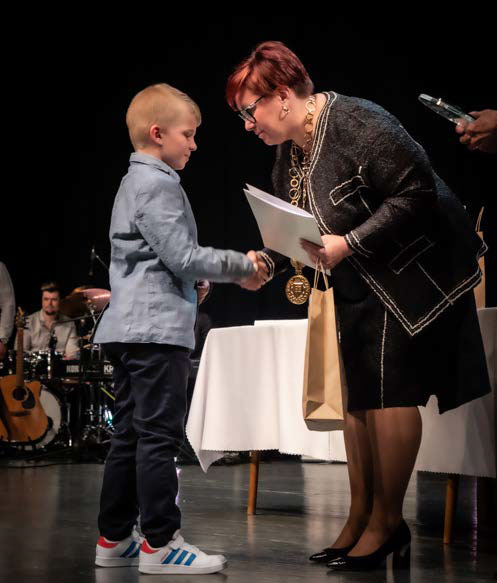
(68, 145)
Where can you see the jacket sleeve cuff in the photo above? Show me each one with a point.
(356, 246)
(269, 262)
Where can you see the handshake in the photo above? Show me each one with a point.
(260, 275)
(253, 282)
(329, 254)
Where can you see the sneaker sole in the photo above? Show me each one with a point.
(180, 569)
(116, 562)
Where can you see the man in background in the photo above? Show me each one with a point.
(48, 328)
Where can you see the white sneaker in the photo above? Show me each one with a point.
(122, 553)
(178, 558)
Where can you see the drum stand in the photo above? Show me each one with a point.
(98, 428)
(92, 437)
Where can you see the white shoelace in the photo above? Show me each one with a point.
(179, 542)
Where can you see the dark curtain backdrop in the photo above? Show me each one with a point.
(71, 91)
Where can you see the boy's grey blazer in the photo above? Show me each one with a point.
(156, 260)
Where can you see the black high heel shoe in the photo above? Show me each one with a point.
(329, 554)
(399, 544)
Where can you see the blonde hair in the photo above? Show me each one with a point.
(157, 104)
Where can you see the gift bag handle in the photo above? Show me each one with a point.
(319, 269)
(478, 221)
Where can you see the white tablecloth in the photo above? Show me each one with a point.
(462, 441)
(248, 397)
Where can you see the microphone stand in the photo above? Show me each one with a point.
(97, 256)
(94, 255)
(52, 345)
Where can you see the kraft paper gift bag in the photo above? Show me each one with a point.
(324, 392)
(480, 288)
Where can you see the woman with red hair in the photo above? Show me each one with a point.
(403, 255)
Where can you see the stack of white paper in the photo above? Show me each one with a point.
(282, 224)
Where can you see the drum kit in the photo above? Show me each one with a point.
(76, 395)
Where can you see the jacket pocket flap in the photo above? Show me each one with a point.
(409, 253)
(346, 189)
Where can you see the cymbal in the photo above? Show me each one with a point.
(81, 302)
(80, 288)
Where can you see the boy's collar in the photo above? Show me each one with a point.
(140, 158)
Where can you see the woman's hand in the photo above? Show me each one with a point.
(334, 250)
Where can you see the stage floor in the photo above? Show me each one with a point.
(48, 525)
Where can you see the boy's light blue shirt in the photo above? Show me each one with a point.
(156, 259)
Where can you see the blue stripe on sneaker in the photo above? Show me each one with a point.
(190, 560)
(180, 558)
(130, 549)
(136, 553)
(170, 557)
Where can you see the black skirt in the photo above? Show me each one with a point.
(386, 367)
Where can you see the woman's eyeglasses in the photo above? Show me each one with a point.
(247, 113)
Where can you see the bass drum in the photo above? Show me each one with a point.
(54, 411)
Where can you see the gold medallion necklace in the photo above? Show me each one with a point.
(298, 288)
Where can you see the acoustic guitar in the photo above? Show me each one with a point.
(23, 419)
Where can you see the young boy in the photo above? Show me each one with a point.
(147, 334)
